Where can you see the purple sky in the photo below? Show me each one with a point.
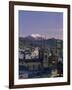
(49, 24)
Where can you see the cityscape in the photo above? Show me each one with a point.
(40, 53)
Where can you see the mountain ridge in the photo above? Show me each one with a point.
(31, 41)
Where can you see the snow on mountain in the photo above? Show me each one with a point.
(37, 36)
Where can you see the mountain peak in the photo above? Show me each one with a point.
(35, 35)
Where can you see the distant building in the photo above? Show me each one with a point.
(45, 58)
(35, 53)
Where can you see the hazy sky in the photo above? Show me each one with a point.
(49, 24)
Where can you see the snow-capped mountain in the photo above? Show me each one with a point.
(38, 40)
(35, 36)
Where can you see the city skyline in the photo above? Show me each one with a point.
(49, 24)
